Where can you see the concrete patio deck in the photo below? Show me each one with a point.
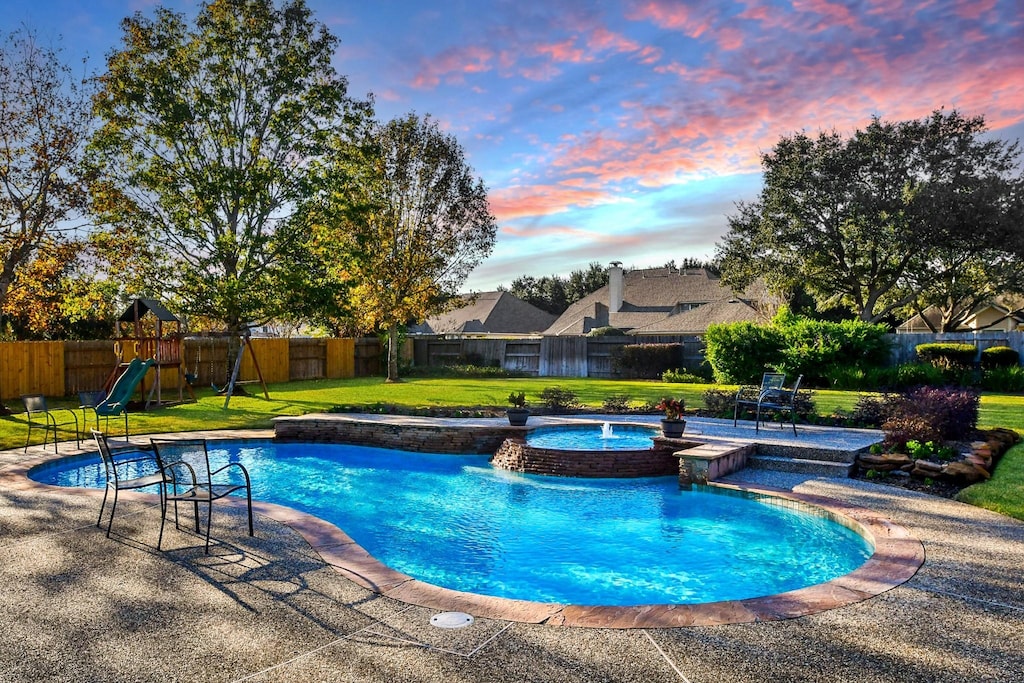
(77, 606)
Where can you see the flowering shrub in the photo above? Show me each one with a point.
(672, 407)
(932, 414)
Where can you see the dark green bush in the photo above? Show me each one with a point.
(999, 357)
(559, 400)
(719, 403)
(916, 374)
(616, 403)
(461, 371)
(739, 353)
(647, 361)
(1003, 379)
(874, 410)
(682, 377)
(947, 355)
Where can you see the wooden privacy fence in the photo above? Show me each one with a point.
(550, 356)
(594, 356)
(903, 345)
(66, 368)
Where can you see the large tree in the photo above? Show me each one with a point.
(554, 293)
(404, 223)
(44, 124)
(860, 220)
(209, 131)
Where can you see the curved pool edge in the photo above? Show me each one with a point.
(896, 559)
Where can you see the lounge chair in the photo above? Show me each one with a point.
(118, 469)
(40, 416)
(186, 466)
(116, 402)
(773, 396)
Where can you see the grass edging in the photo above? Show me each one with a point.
(1004, 492)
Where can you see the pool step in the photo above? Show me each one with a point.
(778, 463)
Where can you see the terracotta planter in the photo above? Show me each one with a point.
(517, 417)
(673, 429)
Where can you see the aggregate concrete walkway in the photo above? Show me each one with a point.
(77, 606)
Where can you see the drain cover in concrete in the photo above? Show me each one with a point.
(451, 620)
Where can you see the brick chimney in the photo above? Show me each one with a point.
(615, 287)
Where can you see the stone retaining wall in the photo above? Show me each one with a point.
(517, 456)
(421, 438)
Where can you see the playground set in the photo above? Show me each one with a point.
(148, 338)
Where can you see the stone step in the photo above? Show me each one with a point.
(801, 465)
(806, 453)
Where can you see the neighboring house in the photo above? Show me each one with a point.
(488, 313)
(1002, 315)
(656, 301)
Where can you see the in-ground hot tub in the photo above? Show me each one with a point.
(592, 450)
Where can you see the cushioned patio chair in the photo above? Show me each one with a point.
(773, 397)
(140, 471)
(190, 479)
(40, 416)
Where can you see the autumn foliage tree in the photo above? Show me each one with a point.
(403, 223)
(44, 124)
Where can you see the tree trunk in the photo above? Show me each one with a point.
(393, 354)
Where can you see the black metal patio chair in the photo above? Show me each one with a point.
(773, 397)
(40, 416)
(127, 473)
(190, 479)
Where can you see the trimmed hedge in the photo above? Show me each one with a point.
(947, 355)
(999, 357)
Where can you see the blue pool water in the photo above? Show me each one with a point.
(454, 521)
(607, 437)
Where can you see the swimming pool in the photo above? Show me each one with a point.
(455, 522)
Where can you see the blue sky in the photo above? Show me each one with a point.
(628, 130)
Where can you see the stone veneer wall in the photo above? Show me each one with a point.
(517, 456)
(420, 438)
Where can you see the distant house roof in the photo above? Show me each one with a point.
(1004, 313)
(488, 312)
(696, 320)
(658, 300)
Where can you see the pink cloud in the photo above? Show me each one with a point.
(542, 199)
(688, 19)
(974, 9)
(453, 62)
(565, 51)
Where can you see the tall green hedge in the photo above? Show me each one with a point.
(740, 352)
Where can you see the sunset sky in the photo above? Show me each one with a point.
(628, 130)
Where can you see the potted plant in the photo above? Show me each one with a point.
(518, 413)
(673, 424)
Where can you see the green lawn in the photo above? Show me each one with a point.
(1004, 493)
